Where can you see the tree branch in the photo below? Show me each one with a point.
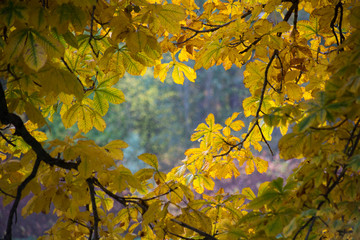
(7, 140)
(18, 198)
(204, 234)
(94, 209)
(263, 137)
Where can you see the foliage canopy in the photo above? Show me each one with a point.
(303, 76)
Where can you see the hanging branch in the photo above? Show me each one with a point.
(21, 187)
(94, 209)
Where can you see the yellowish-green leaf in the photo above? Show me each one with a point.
(149, 159)
(136, 41)
(34, 54)
(293, 91)
(169, 16)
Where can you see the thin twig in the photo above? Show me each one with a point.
(94, 209)
(7, 194)
(202, 233)
(310, 227)
(262, 135)
(302, 228)
(177, 235)
(91, 37)
(329, 128)
(265, 82)
(7, 140)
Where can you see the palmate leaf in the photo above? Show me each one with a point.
(51, 45)
(12, 11)
(209, 54)
(104, 95)
(136, 41)
(16, 44)
(56, 81)
(149, 159)
(169, 16)
(180, 69)
(131, 65)
(34, 54)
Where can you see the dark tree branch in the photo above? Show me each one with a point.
(20, 130)
(7, 140)
(213, 28)
(177, 235)
(296, 15)
(338, 7)
(342, 37)
(310, 227)
(91, 31)
(94, 209)
(8, 235)
(302, 228)
(119, 199)
(72, 71)
(202, 233)
(265, 82)
(329, 128)
(82, 224)
(346, 149)
(7, 194)
(263, 137)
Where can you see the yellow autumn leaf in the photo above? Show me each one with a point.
(261, 165)
(149, 159)
(293, 91)
(169, 16)
(249, 167)
(180, 70)
(136, 41)
(161, 70)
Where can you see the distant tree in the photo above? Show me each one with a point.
(303, 77)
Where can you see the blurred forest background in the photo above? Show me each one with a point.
(160, 117)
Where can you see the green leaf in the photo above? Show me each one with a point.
(16, 43)
(113, 95)
(306, 122)
(248, 193)
(71, 39)
(274, 227)
(354, 162)
(265, 199)
(51, 45)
